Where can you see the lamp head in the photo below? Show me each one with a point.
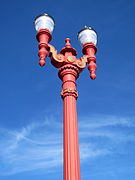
(87, 35)
(44, 21)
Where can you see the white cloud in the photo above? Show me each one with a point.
(88, 151)
(104, 121)
(39, 145)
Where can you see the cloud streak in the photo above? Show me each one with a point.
(39, 145)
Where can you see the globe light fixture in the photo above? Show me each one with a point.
(44, 21)
(87, 35)
(69, 69)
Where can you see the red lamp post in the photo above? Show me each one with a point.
(69, 69)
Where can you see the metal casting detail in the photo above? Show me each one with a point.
(69, 92)
(67, 55)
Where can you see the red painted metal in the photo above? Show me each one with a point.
(43, 36)
(68, 74)
(69, 69)
(90, 49)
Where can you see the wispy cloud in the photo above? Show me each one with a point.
(31, 147)
(88, 151)
(39, 145)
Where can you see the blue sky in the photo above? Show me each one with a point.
(30, 103)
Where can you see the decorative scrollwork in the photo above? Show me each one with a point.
(81, 63)
(56, 59)
(59, 60)
(71, 59)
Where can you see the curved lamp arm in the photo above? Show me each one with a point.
(67, 55)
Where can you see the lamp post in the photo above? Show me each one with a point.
(69, 69)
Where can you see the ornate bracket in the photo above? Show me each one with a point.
(57, 60)
(67, 54)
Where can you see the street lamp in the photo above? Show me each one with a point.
(69, 69)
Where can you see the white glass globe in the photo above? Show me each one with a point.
(87, 35)
(44, 21)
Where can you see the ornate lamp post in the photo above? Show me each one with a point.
(69, 69)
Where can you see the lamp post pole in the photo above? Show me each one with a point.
(69, 74)
(69, 69)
